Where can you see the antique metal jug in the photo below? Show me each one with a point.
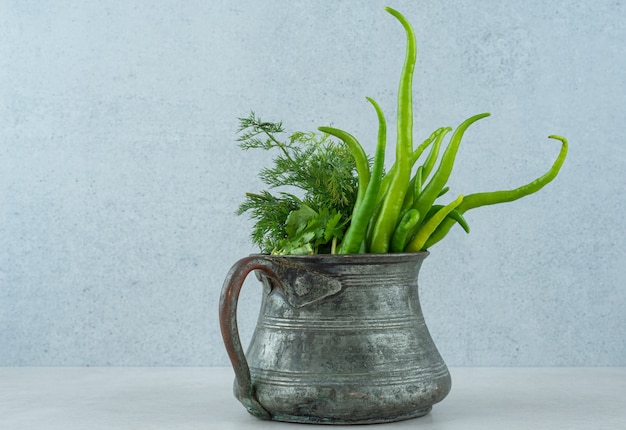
(340, 339)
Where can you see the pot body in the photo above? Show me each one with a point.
(341, 340)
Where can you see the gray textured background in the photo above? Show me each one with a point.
(119, 174)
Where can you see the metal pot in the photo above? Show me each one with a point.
(340, 339)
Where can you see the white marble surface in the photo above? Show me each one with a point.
(200, 398)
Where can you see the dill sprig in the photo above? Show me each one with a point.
(322, 170)
(269, 213)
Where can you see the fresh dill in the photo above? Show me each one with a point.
(323, 171)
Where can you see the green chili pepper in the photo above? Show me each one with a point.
(419, 240)
(443, 191)
(472, 201)
(417, 182)
(441, 175)
(361, 215)
(413, 190)
(362, 165)
(386, 221)
(434, 152)
(400, 239)
(454, 214)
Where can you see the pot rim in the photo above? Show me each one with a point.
(349, 257)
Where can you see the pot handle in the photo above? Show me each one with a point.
(230, 332)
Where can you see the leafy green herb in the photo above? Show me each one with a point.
(308, 231)
(320, 168)
(269, 213)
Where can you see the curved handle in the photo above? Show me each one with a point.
(230, 333)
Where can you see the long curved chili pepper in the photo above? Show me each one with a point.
(361, 215)
(386, 222)
(472, 201)
(360, 158)
(441, 175)
(417, 243)
(434, 153)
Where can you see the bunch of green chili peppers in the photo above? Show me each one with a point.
(396, 211)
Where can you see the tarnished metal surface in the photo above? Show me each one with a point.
(339, 340)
